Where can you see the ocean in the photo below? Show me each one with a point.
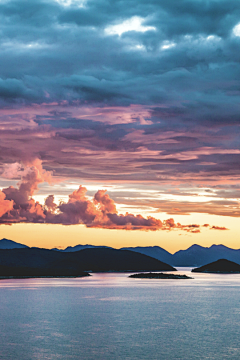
(108, 316)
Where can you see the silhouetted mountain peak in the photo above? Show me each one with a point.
(194, 246)
(80, 247)
(222, 247)
(10, 244)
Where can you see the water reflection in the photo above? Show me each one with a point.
(122, 279)
(110, 316)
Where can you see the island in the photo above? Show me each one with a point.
(221, 266)
(158, 276)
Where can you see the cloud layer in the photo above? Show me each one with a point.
(141, 94)
(17, 205)
(185, 57)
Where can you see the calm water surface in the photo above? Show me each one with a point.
(109, 316)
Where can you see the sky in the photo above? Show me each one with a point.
(119, 122)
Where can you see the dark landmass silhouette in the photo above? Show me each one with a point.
(154, 251)
(9, 244)
(194, 256)
(17, 272)
(222, 266)
(158, 276)
(81, 247)
(41, 262)
(198, 255)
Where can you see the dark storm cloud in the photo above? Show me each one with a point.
(59, 52)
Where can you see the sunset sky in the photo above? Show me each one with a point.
(119, 122)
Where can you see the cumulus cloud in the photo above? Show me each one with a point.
(5, 205)
(49, 203)
(17, 205)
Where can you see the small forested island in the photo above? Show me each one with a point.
(221, 266)
(158, 276)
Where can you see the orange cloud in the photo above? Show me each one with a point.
(17, 205)
(218, 228)
(5, 205)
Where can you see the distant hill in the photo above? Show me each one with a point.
(220, 266)
(49, 262)
(153, 251)
(9, 244)
(80, 247)
(195, 255)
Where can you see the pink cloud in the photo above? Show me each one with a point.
(17, 205)
(5, 205)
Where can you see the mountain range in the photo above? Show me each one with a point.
(195, 255)
(79, 247)
(9, 244)
(42, 262)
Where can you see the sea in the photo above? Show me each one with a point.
(110, 316)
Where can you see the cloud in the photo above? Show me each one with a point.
(236, 30)
(156, 103)
(133, 24)
(31, 177)
(106, 204)
(17, 205)
(5, 205)
(49, 203)
(218, 228)
(95, 68)
(130, 153)
(11, 171)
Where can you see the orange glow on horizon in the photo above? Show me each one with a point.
(50, 236)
